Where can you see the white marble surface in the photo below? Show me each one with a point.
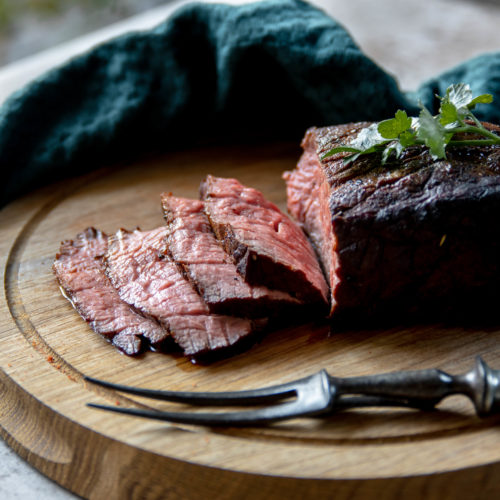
(20, 481)
(413, 40)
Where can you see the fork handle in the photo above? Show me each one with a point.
(429, 387)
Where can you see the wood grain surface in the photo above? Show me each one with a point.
(45, 349)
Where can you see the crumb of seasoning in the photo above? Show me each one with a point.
(50, 359)
(117, 403)
(9, 365)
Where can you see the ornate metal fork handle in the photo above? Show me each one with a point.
(322, 394)
(429, 387)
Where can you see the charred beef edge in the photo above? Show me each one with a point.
(477, 302)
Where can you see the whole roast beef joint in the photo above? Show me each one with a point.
(415, 236)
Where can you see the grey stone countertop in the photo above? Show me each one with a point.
(413, 40)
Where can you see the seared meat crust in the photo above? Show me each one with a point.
(414, 236)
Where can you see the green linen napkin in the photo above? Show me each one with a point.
(211, 72)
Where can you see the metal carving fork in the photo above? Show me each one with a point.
(322, 394)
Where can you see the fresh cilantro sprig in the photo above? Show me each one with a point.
(391, 137)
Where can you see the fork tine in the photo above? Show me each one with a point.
(247, 397)
(252, 417)
(313, 397)
(238, 418)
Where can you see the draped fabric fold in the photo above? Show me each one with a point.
(211, 72)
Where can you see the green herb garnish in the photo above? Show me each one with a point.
(391, 137)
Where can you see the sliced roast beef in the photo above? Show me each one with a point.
(149, 280)
(80, 272)
(267, 247)
(413, 235)
(193, 245)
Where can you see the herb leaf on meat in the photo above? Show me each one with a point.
(392, 128)
(433, 134)
(391, 137)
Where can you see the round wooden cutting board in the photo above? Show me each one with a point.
(45, 349)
